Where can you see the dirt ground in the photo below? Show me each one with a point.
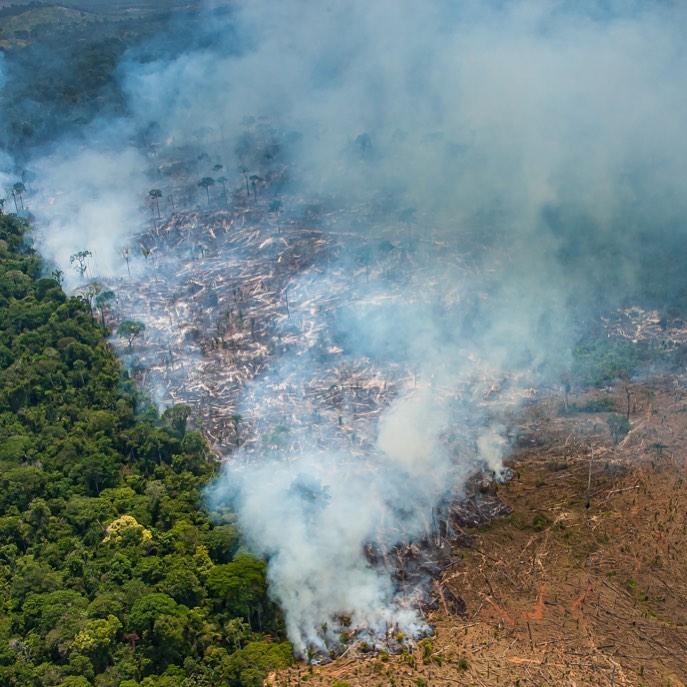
(585, 583)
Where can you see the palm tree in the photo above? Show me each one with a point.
(19, 189)
(156, 194)
(254, 180)
(126, 254)
(223, 181)
(205, 183)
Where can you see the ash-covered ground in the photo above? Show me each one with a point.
(247, 313)
(224, 294)
(267, 324)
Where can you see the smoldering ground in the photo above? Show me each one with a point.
(527, 160)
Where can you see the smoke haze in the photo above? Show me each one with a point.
(524, 163)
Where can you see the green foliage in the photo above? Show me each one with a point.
(111, 574)
(79, 261)
(155, 194)
(599, 361)
(595, 405)
(539, 522)
(249, 666)
(75, 681)
(427, 647)
(222, 543)
(239, 587)
(130, 329)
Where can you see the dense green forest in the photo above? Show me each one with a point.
(112, 571)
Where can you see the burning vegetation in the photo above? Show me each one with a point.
(239, 311)
(371, 239)
(242, 314)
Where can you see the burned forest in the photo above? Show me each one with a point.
(244, 300)
(357, 334)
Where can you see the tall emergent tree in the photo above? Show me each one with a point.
(80, 261)
(102, 302)
(156, 194)
(205, 183)
(19, 190)
(223, 180)
(126, 254)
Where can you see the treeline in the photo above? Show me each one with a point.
(112, 572)
(62, 74)
(59, 81)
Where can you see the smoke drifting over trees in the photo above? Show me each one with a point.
(552, 132)
(541, 146)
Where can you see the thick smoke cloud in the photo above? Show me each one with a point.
(509, 120)
(528, 157)
(547, 130)
(5, 160)
(94, 210)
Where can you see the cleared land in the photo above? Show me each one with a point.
(585, 583)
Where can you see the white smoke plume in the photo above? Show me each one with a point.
(526, 158)
(95, 211)
(6, 163)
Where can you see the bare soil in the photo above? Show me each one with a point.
(584, 583)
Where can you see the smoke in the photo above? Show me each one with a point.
(329, 506)
(5, 159)
(496, 172)
(98, 207)
(306, 520)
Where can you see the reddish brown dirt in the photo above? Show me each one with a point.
(558, 593)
